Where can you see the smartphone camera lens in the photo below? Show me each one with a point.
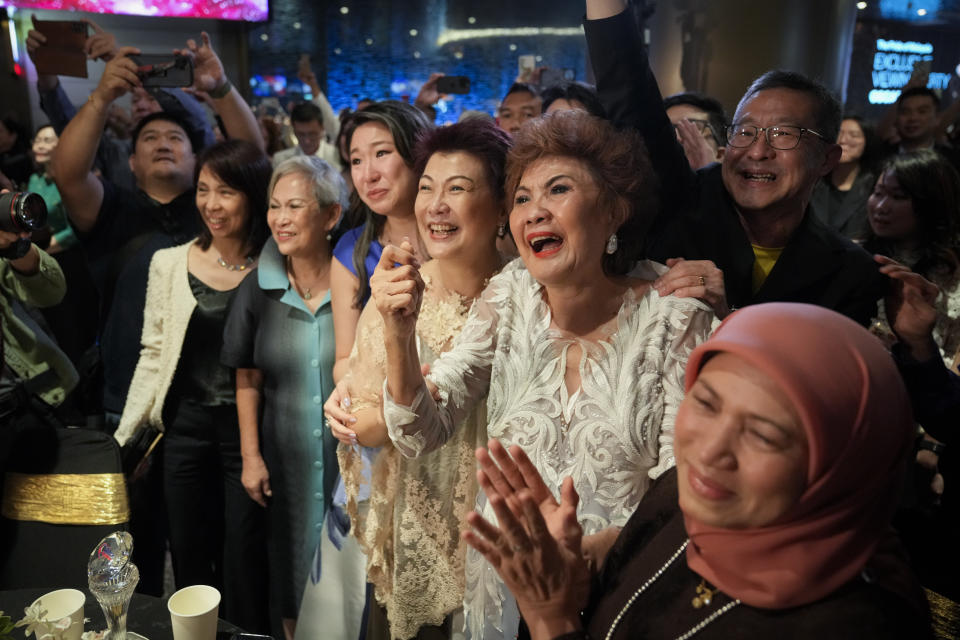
(22, 212)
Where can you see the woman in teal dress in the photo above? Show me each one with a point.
(74, 321)
(279, 338)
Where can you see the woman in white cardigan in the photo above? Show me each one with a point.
(216, 531)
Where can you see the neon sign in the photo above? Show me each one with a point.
(893, 65)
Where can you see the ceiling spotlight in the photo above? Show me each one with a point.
(344, 10)
(861, 5)
(921, 12)
(369, 41)
(472, 20)
(413, 32)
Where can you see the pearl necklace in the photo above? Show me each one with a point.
(636, 594)
(234, 267)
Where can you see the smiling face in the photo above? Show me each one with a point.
(457, 211)
(224, 209)
(559, 230)
(384, 181)
(297, 221)
(162, 151)
(851, 141)
(763, 179)
(43, 145)
(517, 108)
(309, 134)
(890, 210)
(740, 447)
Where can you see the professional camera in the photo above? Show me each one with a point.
(21, 212)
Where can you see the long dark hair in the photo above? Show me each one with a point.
(241, 165)
(933, 186)
(405, 124)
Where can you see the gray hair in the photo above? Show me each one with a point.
(326, 183)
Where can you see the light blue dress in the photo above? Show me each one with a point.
(271, 329)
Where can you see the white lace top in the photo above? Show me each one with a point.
(613, 436)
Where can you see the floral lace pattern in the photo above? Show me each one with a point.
(619, 434)
(410, 526)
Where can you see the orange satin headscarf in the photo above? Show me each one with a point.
(856, 415)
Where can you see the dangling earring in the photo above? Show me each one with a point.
(501, 230)
(612, 245)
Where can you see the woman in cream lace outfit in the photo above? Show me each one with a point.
(914, 215)
(582, 365)
(407, 517)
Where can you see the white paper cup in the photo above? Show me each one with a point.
(193, 612)
(64, 603)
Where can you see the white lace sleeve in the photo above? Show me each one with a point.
(462, 376)
(689, 326)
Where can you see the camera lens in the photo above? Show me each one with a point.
(32, 211)
(22, 212)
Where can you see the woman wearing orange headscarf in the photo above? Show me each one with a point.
(791, 445)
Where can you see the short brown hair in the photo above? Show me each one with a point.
(618, 161)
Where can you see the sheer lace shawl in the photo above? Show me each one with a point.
(619, 434)
(410, 526)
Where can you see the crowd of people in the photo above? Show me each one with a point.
(606, 364)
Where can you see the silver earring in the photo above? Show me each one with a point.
(612, 244)
(501, 230)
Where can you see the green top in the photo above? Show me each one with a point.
(26, 349)
(43, 186)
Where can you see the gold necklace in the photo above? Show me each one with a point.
(304, 291)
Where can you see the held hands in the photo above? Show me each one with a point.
(306, 75)
(695, 279)
(337, 412)
(910, 308)
(102, 45)
(536, 549)
(397, 289)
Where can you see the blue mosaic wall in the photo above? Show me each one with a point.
(382, 49)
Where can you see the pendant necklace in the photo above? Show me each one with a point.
(704, 597)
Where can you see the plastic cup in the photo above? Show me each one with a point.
(64, 603)
(193, 612)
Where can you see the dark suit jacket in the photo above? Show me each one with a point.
(698, 218)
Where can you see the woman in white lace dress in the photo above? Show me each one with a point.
(408, 513)
(582, 364)
(914, 215)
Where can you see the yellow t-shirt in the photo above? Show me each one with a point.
(763, 260)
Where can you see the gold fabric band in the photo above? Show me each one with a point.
(67, 498)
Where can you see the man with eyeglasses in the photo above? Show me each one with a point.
(742, 226)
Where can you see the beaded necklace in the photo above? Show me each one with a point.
(636, 594)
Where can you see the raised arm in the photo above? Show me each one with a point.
(209, 76)
(331, 123)
(80, 189)
(629, 93)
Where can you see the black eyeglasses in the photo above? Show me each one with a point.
(781, 137)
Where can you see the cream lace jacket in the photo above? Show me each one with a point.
(613, 435)
(409, 527)
(169, 305)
